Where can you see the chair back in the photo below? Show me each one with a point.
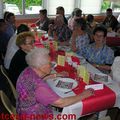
(7, 103)
(6, 87)
(2, 107)
(4, 72)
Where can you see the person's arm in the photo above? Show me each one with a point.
(102, 67)
(50, 97)
(73, 42)
(63, 102)
(37, 22)
(50, 29)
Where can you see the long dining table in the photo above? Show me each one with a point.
(103, 99)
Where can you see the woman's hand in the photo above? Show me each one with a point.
(87, 93)
(62, 102)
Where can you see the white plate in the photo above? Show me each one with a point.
(65, 84)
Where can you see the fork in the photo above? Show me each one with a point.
(68, 92)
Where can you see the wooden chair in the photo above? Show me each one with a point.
(7, 103)
(7, 87)
(4, 72)
(113, 113)
(2, 107)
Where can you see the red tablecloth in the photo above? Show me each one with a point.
(113, 41)
(101, 100)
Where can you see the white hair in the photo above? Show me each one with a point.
(37, 57)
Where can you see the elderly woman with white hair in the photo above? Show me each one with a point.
(34, 94)
(116, 70)
(59, 30)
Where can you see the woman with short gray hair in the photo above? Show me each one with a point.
(34, 94)
(33, 60)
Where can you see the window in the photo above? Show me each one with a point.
(22, 6)
(33, 6)
(12, 7)
(105, 5)
(115, 5)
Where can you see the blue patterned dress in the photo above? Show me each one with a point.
(103, 55)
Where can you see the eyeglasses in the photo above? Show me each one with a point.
(30, 42)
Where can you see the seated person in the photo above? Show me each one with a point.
(31, 85)
(43, 21)
(12, 47)
(110, 21)
(4, 38)
(5, 15)
(116, 70)
(91, 24)
(60, 10)
(76, 14)
(59, 30)
(25, 42)
(10, 22)
(98, 53)
(79, 37)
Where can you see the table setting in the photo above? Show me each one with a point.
(80, 77)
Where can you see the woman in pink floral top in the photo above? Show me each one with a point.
(35, 97)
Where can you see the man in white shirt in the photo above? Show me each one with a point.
(12, 47)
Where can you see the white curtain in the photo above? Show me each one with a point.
(91, 6)
(51, 6)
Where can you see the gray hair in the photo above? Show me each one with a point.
(37, 57)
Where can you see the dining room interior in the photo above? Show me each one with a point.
(60, 59)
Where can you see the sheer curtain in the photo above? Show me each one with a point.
(51, 6)
(91, 6)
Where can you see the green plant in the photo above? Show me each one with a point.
(106, 4)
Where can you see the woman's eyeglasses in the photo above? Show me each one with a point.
(30, 42)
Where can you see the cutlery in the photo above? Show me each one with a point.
(67, 92)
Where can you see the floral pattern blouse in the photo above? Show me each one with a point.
(81, 42)
(34, 94)
(63, 33)
(103, 55)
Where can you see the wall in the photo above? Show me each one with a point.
(26, 21)
(33, 20)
